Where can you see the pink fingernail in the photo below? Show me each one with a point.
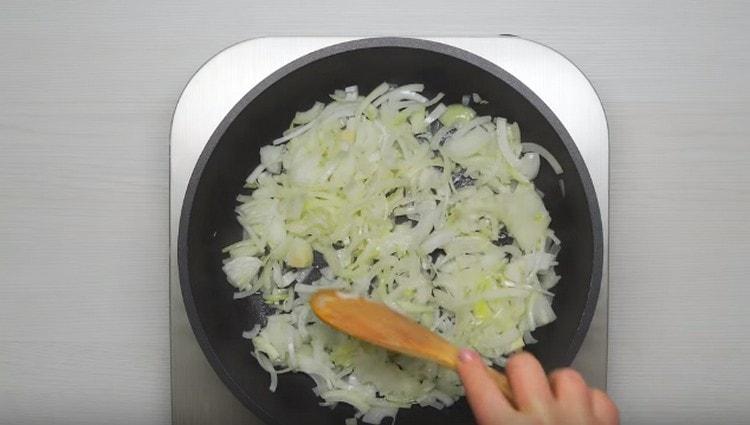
(466, 355)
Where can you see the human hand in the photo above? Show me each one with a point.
(562, 399)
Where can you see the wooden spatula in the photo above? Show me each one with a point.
(379, 325)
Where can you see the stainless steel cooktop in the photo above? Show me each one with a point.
(198, 396)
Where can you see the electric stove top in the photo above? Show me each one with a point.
(198, 396)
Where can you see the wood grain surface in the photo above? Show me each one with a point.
(87, 91)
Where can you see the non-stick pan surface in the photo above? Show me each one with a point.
(208, 221)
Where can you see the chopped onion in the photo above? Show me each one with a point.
(428, 209)
(241, 271)
(270, 156)
(437, 239)
(287, 279)
(352, 92)
(478, 99)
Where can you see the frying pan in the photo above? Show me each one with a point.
(208, 223)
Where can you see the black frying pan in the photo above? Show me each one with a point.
(208, 221)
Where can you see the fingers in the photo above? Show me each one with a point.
(529, 383)
(564, 398)
(487, 402)
(569, 387)
(572, 394)
(604, 409)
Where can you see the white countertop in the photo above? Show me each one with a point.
(87, 91)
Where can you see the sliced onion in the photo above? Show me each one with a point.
(297, 131)
(252, 333)
(533, 147)
(309, 115)
(502, 142)
(562, 187)
(435, 113)
(341, 396)
(241, 294)
(409, 92)
(376, 415)
(255, 174)
(266, 364)
(529, 165)
(434, 100)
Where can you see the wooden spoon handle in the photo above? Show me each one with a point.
(502, 382)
